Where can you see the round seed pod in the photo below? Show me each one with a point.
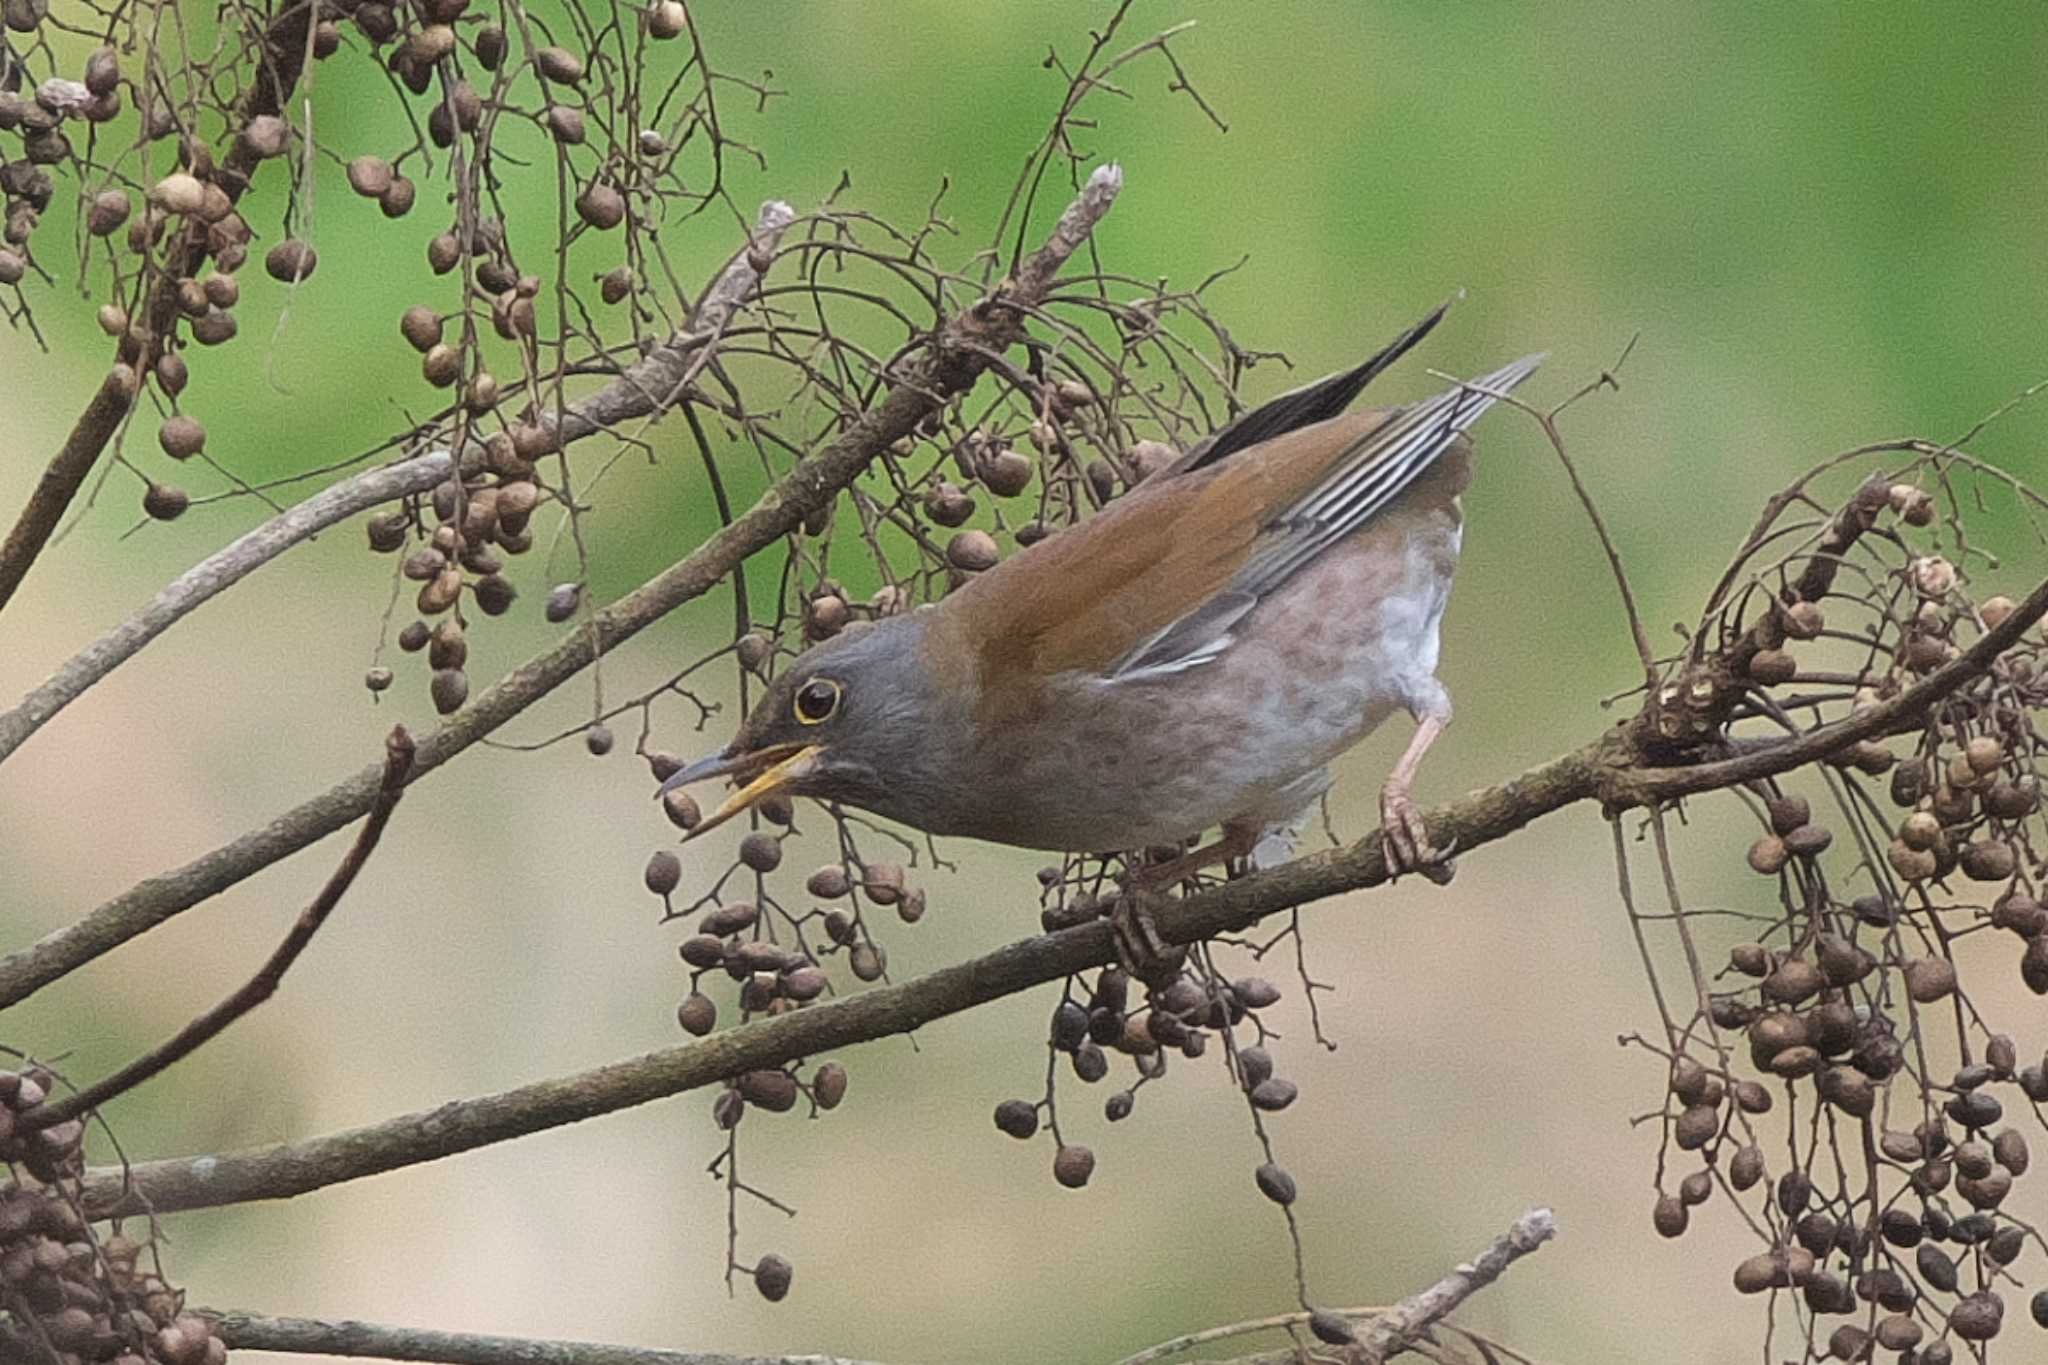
(770, 1089)
(290, 261)
(1771, 1034)
(1794, 981)
(1809, 841)
(2009, 1150)
(439, 595)
(1848, 1090)
(1987, 1191)
(421, 328)
(398, 197)
(378, 679)
(441, 365)
(771, 1277)
(945, 504)
(1977, 1109)
(1746, 1167)
(559, 64)
(1768, 855)
(215, 328)
(1275, 1183)
(1091, 1064)
(449, 688)
(598, 739)
(565, 125)
(449, 646)
(495, 594)
(1072, 1165)
(667, 19)
(698, 1014)
(181, 437)
(1913, 864)
(2034, 972)
(829, 882)
(1929, 979)
(972, 551)
(1696, 1188)
(109, 210)
(1006, 473)
(761, 852)
(165, 502)
(664, 872)
(1695, 1127)
(1018, 1118)
(883, 882)
(1977, 1317)
(1751, 959)
(828, 1085)
(1987, 860)
(868, 961)
(601, 206)
(179, 193)
(370, 176)
(1794, 1192)
(2013, 800)
(1751, 1098)
(2038, 1306)
(615, 284)
(1670, 1216)
(1273, 1094)
(777, 809)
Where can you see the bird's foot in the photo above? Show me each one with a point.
(1140, 948)
(1407, 844)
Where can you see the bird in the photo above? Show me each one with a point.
(1190, 658)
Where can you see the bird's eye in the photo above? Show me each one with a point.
(816, 700)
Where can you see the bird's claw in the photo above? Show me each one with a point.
(1140, 948)
(1407, 845)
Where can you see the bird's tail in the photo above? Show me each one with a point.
(1317, 402)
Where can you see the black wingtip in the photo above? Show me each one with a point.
(1316, 402)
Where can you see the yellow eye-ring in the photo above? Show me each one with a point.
(816, 701)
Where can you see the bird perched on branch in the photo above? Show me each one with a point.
(1191, 657)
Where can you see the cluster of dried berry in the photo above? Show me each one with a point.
(486, 509)
(1886, 1202)
(69, 1292)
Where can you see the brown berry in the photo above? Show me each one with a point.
(771, 1277)
(1072, 1166)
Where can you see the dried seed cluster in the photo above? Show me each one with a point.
(1887, 1198)
(70, 1291)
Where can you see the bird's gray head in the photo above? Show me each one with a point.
(850, 720)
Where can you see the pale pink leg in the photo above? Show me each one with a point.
(1407, 842)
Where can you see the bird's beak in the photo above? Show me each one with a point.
(785, 763)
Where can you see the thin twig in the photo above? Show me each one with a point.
(398, 755)
(209, 578)
(1413, 1316)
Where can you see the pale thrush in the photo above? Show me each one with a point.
(1192, 656)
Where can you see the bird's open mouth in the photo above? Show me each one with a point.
(762, 772)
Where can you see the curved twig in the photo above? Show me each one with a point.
(209, 578)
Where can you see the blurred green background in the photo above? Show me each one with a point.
(1824, 220)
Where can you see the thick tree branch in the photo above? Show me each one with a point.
(1598, 771)
(947, 368)
(63, 478)
(209, 578)
(310, 1336)
(398, 755)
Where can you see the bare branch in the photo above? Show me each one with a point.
(64, 477)
(209, 578)
(947, 368)
(1597, 771)
(1413, 1316)
(398, 756)
(259, 1332)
